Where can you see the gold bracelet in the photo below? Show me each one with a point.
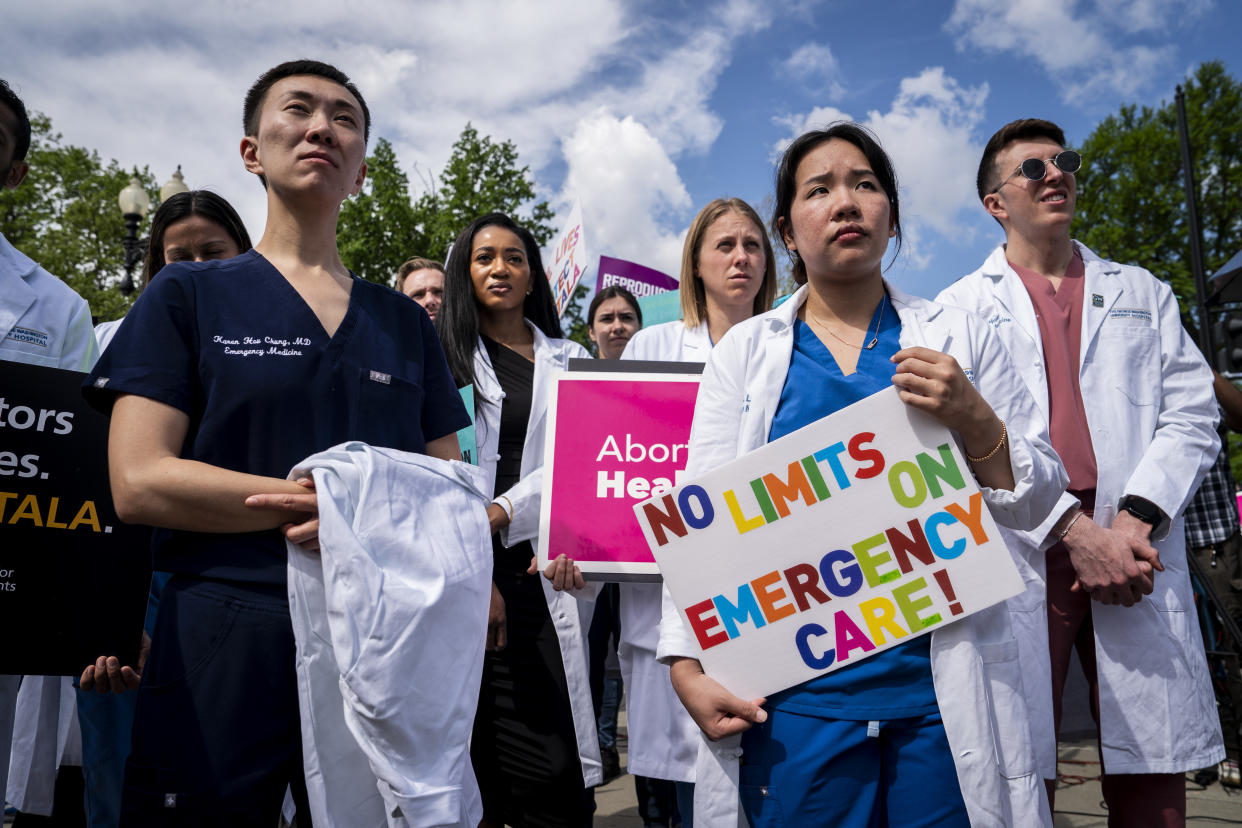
(508, 509)
(995, 448)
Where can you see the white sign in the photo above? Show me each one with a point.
(569, 259)
(827, 546)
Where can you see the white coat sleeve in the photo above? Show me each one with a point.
(80, 347)
(713, 441)
(1185, 442)
(1039, 477)
(526, 496)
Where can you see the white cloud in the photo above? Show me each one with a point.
(159, 84)
(928, 132)
(1079, 45)
(815, 65)
(627, 184)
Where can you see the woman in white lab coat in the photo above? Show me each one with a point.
(931, 732)
(728, 274)
(534, 748)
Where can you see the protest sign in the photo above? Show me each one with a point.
(466, 440)
(660, 308)
(637, 279)
(614, 439)
(73, 578)
(569, 258)
(827, 546)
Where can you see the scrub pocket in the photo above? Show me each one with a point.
(387, 404)
(1007, 713)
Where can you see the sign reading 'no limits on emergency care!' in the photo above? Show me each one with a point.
(827, 546)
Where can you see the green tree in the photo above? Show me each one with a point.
(481, 176)
(1131, 199)
(379, 228)
(65, 217)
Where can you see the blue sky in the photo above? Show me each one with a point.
(642, 110)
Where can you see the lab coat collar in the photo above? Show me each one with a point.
(486, 385)
(16, 296)
(1101, 288)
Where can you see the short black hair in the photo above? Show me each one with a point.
(183, 205)
(459, 316)
(613, 292)
(288, 69)
(787, 170)
(9, 98)
(1023, 129)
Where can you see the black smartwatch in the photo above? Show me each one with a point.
(1142, 509)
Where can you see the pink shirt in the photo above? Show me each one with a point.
(1059, 314)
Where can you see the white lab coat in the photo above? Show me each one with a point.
(570, 611)
(975, 660)
(42, 322)
(390, 618)
(663, 739)
(1149, 404)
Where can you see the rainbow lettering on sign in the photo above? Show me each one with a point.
(770, 496)
(883, 558)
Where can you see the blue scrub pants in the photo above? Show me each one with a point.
(805, 770)
(217, 737)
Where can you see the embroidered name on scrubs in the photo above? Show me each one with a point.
(28, 336)
(248, 346)
(1130, 313)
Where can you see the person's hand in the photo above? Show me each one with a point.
(716, 711)
(934, 383)
(304, 530)
(497, 517)
(108, 675)
(497, 627)
(562, 572)
(1114, 565)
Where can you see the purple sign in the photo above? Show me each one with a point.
(638, 280)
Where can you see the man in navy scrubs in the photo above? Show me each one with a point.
(225, 375)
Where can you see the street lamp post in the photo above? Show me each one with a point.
(135, 203)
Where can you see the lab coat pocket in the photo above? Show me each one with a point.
(1007, 713)
(1132, 355)
(387, 404)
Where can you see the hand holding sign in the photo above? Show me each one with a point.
(827, 546)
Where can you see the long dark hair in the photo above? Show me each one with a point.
(459, 316)
(183, 205)
(787, 185)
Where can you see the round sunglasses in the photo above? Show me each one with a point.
(1067, 161)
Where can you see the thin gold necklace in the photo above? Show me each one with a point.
(875, 338)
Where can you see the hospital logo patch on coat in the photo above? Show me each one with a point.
(28, 336)
(1097, 301)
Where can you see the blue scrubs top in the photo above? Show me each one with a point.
(896, 683)
(234, 346)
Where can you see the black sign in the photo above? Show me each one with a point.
(73, 578)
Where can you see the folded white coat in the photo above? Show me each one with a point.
(390, 619)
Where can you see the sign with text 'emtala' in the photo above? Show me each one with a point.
(827, 546)
(617, 434)
(73, 578)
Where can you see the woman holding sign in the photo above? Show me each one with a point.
(534, 746)
(728, 274)
(932, 731)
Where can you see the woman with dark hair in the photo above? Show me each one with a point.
(612, 320)
(194, 226)
(534, 747)
(728, 274)
(869, 744)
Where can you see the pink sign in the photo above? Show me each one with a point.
(616, 439)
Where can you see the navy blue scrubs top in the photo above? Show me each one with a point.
(234, 346)
(896, 683)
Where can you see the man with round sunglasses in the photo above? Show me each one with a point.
(1129, 401)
